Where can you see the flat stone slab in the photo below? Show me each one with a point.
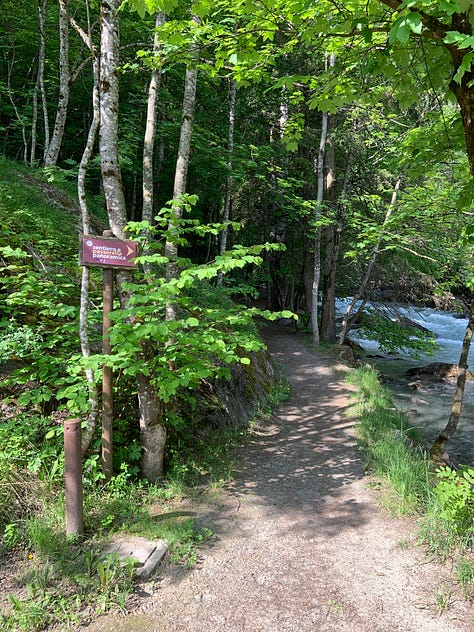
(146, 554)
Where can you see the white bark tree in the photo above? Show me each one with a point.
(153, 434)
(150, 134)
(150, 128)
(182, 162)
(39, 85)
(319, 170)
(93, 415)
(52, 148)
(230, 176)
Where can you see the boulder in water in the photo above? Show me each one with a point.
(436, 371)
(403, 321)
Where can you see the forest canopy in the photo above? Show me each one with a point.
(264, 155)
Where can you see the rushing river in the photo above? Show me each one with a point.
(429, 408)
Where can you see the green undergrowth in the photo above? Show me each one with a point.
(441, 498)
(68, 582)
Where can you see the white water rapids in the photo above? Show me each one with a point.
(429, 408)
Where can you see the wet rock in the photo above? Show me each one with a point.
(435, 371)
(405, 322)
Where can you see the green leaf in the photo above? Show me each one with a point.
(465, 66)
(404, 26)
(460, 39)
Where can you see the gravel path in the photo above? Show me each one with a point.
(299, 543)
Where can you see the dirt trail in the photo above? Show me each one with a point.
(299, 544)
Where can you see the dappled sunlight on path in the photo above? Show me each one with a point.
(298, 543)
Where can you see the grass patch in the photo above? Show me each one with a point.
(68, 583)
(441, 498)
(389, 445)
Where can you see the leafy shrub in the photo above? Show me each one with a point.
(393, 338)
(455, 495)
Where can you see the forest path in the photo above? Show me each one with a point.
(299, 543)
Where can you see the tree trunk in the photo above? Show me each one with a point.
(439, 444)
(332, 254)
(150, 130)
(108, 131)
(39, 85)
(52, 151)
(332, 240)
(15, 109)
(317, 218)
(228, 188)
(93, 416)
(182, 164)
(149, 139)
(152, 433)
(319, 169)
(346, 320)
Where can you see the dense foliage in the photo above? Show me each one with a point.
(296, 152)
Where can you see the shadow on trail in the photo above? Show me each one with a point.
(294, 482)
(303, 462)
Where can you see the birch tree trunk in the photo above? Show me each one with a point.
(150, 133)
(317, 218)
(52, 150)
(439, 444)
(182, 164)
(230, 176)
(153, 434)
(39, 85)
(347, 321)
(18, 116)
(93, 416)
(108, 130)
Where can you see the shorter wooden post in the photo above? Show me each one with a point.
(73, 477)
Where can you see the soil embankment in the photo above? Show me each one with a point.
(299, 543)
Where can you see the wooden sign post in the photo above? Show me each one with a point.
(108, 253)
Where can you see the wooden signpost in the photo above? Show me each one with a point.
(108, 253)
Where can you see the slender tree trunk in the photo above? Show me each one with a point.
(346, 320)
(153, 434)
(230, 176)
(439, 444)
(182, 164)
(15, 109)
(34, 124)
(93, 416)
(150, 130)
(319, 169)
(331, 241)
(317, 217)
(150, 134)
(52, 151)
(39, 85)
(108, 131)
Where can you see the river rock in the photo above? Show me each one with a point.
(403, 321)
(436, 371)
